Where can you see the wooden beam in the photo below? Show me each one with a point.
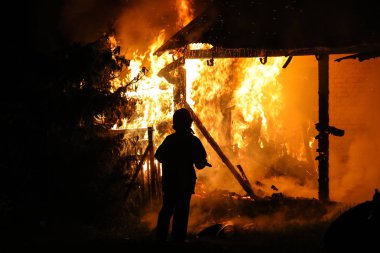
(246, 186)
(218, 52)
(153, 171)
(323, 136)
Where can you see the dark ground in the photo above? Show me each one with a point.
(292, 232)
(308, 239)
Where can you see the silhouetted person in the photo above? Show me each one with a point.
(178, 153)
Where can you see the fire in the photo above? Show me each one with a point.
(245, 85)
(258, 97)
(185, 12)
(154, 92)
(238, 100)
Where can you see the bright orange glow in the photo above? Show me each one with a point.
(238, 100)
(185, 12)
(154, 92)
(244, 84)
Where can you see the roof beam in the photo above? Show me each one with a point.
(218, 52)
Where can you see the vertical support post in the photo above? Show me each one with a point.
(179, 88)
(148, 179)
(227, 122)
(142, 179)
(151, 163)
(159, 181)
(182, 72)
(323, 136)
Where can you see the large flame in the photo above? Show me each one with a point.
(185, 12)
(244, 87)
(238, 100)
(154, 92)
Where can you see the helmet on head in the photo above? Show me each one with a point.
(182, 119)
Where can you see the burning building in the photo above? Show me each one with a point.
(229, 66)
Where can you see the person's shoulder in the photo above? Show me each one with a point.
(170, 137)
(195, 138)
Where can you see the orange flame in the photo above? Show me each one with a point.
(244, 91)
(245, 84)
(185, 12)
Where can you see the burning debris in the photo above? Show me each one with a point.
(273, 187)
(222, 214)
(218, 230)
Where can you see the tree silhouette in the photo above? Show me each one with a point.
(60, 160)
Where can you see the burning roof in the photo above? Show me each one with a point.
(284, 27)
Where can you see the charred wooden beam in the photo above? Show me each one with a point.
(172, 66)
(246, 186)
(178, 79)
(244, 176)
(179, 88)
(361, 56)
(166, 71)
(218, 52)
(323, 136)
(227, 122)
(153, 172)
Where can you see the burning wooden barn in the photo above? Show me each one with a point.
(283, 95)
(224, 65)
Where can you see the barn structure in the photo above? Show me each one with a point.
(262, 28)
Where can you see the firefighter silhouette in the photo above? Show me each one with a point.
(178, 153)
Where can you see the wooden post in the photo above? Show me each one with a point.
(179, 88)
(151, 163)
(227, 122)
(323, 136)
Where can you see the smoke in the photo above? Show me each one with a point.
(355, 99)
(266, 216)
(85, 20)
(136, 22)
(142, 21)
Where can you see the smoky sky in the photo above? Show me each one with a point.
(52, 23)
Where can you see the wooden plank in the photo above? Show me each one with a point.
(323, 136)
(218, 52)
(246, 186)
